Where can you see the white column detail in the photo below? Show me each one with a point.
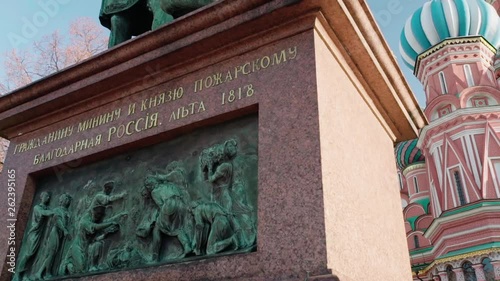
(478, 268)
(459, 273)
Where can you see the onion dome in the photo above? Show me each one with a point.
(438, 20)
(407, 153)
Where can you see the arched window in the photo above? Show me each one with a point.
(459, 187)
(469, 272)
(442, 82)
(415, 183)
(415, 240)
(489, 271)
(468, 75)
(451, 275)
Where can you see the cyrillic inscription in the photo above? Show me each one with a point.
(144, 106)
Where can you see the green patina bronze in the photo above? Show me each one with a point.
(178, 8)
(181, 200)
(127, 18)
(57, 234)
(34, 235)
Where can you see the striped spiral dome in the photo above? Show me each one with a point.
(437, 20)
(407, 153)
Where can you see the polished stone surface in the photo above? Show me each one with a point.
(253, 57)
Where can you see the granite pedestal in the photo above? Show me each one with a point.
(326, 99)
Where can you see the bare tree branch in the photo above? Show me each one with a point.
(18, 68)
(86, 39)
(52, 53)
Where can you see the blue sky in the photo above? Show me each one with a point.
(23, 21)
(391, 16)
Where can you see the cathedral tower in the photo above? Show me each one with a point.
(451, 45)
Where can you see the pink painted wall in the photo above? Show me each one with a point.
(424, 222)
(447, 65)
(417, 181)
(413, 210)
(465, 231)
(460, 146)
(422, 241)
(468, 143)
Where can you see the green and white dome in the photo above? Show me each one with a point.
(407, 153)
(438, 20)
